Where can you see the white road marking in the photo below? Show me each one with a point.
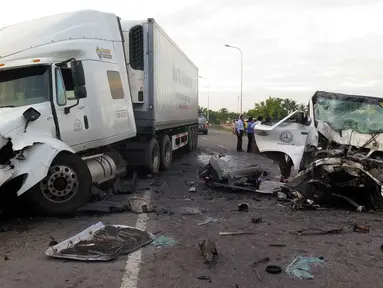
(132, 267)
(204, 138)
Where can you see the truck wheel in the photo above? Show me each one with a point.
(153, 156)
(195, 138)
(166, 152)
(191, 138)
(65, 189)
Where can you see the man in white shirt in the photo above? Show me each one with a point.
(240, 130)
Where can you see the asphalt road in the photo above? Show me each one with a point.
(351, 259)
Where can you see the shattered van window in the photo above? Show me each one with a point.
(24, 86)
(342, 112)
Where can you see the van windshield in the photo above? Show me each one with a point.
(361, 114)
(24, 86)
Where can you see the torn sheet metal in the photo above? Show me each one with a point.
(101, 243)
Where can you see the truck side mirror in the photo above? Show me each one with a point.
(78, 74)
(308, 121)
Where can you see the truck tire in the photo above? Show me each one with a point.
(65, 189)
(153, 156)
(191, 138)
(166, 152)
(195, 138)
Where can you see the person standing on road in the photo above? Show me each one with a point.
(250, 134)
(240, 129)
(254, 147)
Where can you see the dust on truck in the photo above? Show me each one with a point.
(83, 97)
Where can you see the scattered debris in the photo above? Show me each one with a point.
(208, 250)
(101, 243)
(359, 208)
(190, 211)
(317, 231)
(105, 206)
(207, 221)
(53, 242)
(381, 247)
(6, 258)
(262, 260)
(256, 220)
(273, 269)
(164, 241)
(191, 183)
(243, 207)
(157, 232)
(193, 189)
(300, 267)
(139, 205)
(277, 245)
(236, 233)
(247, 179)
(204, 278)
(361, 228)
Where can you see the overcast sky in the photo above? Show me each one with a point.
(291, 48)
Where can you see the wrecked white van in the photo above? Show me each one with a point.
(337, 147)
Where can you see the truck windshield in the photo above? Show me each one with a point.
(24, 86)
(361, 114)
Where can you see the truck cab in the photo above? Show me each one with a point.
(63, 93)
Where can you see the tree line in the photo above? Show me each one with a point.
(273, 107)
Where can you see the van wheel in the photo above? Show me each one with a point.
(65, 189)
(166, 152)
(191, 138)
(153, 156)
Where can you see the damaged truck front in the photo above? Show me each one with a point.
(337, 147)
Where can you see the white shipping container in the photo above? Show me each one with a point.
(169, 80)
(175, 82)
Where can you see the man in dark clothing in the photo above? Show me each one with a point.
(250, 134)
(240, 130)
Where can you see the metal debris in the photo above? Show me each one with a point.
(139, 205)
(101, 243)
(256, 220)
(193, 189)
(317, 231)
(361, 228)
(236, 233)
(207, 221)
(208, 250)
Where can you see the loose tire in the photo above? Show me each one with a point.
(65, 189)
(153, 156)
(166, 152)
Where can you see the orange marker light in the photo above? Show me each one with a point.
(2, 64)
(36, 60)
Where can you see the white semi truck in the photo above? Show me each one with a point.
(83, 95)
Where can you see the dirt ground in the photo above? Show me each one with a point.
(350, 259)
